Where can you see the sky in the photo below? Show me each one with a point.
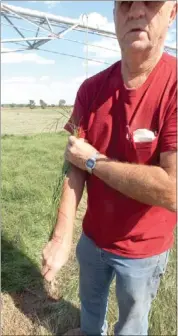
(42, 75)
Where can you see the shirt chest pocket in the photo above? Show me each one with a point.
(146, 152)
(142, 152)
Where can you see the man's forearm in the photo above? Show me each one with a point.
(147, 184)
(72, 192)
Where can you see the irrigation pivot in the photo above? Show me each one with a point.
(47, 27)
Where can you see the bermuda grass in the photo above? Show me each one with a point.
(30, 167)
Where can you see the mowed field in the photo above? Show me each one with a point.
(31, 165)
(25, 121)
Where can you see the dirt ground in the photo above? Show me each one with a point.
(16, 321)
(43, 311)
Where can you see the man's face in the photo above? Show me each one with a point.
(141, 25)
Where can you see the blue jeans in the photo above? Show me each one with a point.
(137, 282)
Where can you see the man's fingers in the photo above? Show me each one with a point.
(50, 275)
(72, 139)
(45, 269)
(84, 140)
(49, 272)
(46, 248)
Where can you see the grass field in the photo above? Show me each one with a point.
(25, 121)
(30, 166)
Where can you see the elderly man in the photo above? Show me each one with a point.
(127, 116)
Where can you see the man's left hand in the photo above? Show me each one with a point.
(78, 151)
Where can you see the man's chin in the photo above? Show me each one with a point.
(137, 46)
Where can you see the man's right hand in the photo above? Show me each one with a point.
(55, 255)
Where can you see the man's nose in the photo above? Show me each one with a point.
(137, 10)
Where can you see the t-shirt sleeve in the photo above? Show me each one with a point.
(168, 136)
(78, 122)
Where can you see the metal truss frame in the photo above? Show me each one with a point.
(49, 27)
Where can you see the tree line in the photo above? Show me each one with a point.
(32, 104)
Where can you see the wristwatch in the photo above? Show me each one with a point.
(91, 163)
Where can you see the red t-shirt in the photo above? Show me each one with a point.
(103, 109)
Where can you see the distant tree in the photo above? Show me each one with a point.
(53, 105)
(12, 105)
(42, 104)
(32, 104)
(7, 105)
(62, 102)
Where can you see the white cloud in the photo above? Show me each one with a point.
(112, 51)
(44, 78)
(92, 63)
(18, 57)
(94, 19)
(21, 79)
(171, 38)
(98, 21)
(35, 89)
(78, 80)
(4, 48)
(50, 4)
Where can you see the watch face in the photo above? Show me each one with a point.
(90, 163)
